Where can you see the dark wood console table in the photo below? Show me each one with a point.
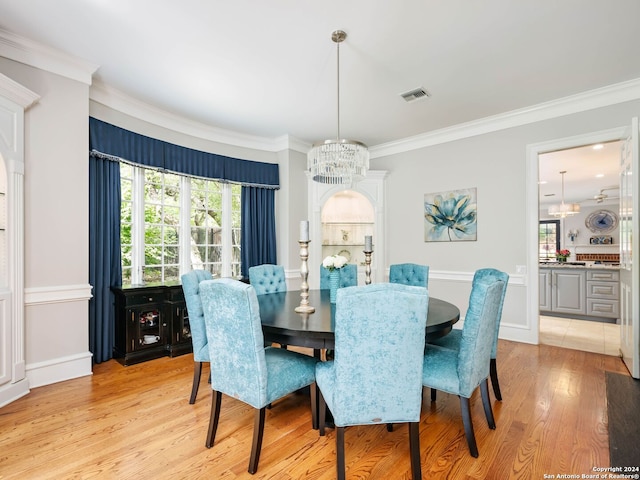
(151, 322)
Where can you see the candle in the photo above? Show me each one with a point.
(304, 231)
(368, 243)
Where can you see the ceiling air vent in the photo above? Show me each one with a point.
(415, 94)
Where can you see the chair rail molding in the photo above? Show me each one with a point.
(58, 294)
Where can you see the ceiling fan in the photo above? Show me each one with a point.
(600, 197)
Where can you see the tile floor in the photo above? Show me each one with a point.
(583, 335)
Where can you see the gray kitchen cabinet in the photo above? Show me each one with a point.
(544, 289)
(564, 291)
(603, 293)
(583, 292)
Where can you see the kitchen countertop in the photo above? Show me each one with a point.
(587, 265)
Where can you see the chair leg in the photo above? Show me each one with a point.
(414, 447)
(468, 426)
(493, 370)
(216, 399)
(340, 453)
(486, 403)
(322, 413)
(313, 393)
(256, 445)
(433, 394)
(197, 371)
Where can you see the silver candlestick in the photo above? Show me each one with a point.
(367, 266)
(304, 306)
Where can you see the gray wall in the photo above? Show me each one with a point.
(56, 225)
(495, 163)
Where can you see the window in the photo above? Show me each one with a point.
(161, 226)
(126, 220)
(159, 208)
(548, 239)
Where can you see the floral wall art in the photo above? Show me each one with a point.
(450, 216)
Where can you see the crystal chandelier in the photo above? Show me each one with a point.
(338, 161)
(564, 209)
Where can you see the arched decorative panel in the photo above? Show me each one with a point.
(14, 100)
(372, 190)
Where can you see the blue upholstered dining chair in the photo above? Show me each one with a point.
(267, 278)
(453, 339)
(191, 289)
(409, 274)
(242, 367)
(376, 375)
(348, 276)
(460, 372)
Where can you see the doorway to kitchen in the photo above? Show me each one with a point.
(578, 183)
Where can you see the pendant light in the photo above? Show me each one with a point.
(564, 209)
(338, 161)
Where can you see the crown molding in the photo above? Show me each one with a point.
(46, 58)
(600, 97)
(117, 100)
(17, 93)
(287, 142)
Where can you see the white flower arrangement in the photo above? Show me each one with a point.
(333, 262)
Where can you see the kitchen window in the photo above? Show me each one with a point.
(548, 239)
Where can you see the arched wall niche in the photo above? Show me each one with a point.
(371, 189)
(346, 218)
(14, 100)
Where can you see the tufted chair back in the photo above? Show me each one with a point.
(376, 375)
(191, 288)
(409, 274)
(348, 276)
(235, 333)
(267, 278)
(377, 371)
(491, 273)
(478, 333)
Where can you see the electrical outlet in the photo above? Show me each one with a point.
(522, 269)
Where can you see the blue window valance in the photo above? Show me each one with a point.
(110, 140)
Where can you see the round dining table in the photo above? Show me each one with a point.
(282, 324)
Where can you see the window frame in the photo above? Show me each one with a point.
(551, 255)
(184, 247)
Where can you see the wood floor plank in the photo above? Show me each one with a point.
(136, 422)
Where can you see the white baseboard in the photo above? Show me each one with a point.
(13, 391)
(59, 369)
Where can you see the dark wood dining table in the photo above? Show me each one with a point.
(281, 324)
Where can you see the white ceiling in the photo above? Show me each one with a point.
(588, 171)
(268, 68)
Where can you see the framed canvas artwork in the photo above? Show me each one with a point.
(450, 216)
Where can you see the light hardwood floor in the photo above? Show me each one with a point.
(135, 423)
